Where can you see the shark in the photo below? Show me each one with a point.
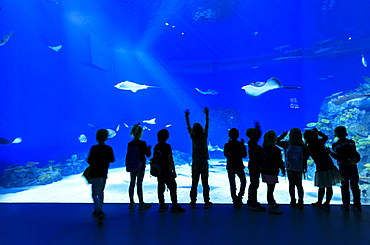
(151, 121)
(5, 39)
(209, 91)
(56, 48)
(134, 87)
(257, 88)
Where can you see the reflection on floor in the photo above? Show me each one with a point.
(221, 224)
(73, 189)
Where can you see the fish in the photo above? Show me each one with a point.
(17, 140)
(209, 91)
(134, 87)
(214, 148)
(91, 125)
(117, 129)
(257, 88)
(6, 142)
(82, 138)
(146, 128)
(5, 39)
(363, 60)
(151, 121)
(111, 133)
(126, 125)
(344, 98)
(168, 125)
(56, 48)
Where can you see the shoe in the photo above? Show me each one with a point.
(143, 206)
(345, 207)
(326, 206)
(208, 205)
(238, 205)
(132, 205)
(357, 207)
(274, 210)
(258, 208)
(316, 205)
(177, 209)
(162, 208)
(300, 205)
(95, 214)
(293, 204)
(192, 204)
(249, 203)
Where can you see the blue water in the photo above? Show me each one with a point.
(50, 98)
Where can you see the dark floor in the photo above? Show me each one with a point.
(222, 224)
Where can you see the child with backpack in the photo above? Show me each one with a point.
(137, 151)
(254, 151)
(271, 162)
(100, 156)
(235, 151)
(344, 151)
(200, 156)
(167, 173)
(294, 164)
(326, 174)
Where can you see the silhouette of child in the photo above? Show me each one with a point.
(273, 161)
(342, 151)
(200, 156)
(326, 174)
(168, 172)
(100, 156)
(254, 150)
(235, 151)
(295, 164)
(144, 150)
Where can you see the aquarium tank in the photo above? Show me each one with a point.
(71, 67)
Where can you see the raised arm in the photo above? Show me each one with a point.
(206, 111)
(280, 142)
(187, 118)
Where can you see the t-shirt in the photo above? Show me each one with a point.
(235, 151)
(99, 158)
(143, 150)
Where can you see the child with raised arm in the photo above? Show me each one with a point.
(167, 174)
(100, 156)
(254, 150)
(326, 174)
(344, 151)
(143, 151)
(235, 151)
(295, 163)
(200, 156)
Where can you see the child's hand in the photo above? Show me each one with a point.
(187, 112)
(242, 140)
(206, 110)
(149, 147)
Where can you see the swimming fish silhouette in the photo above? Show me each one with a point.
(56, 48)
(257, 88)
(209, 91)
(151, 121)
(5, 39)
(134, 87)
(82, 138)
(363, 60)
(6, 142)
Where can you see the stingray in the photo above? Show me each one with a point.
(134, 87)
(257, 88)
(56, 48)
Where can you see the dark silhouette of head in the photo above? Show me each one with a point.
(310, 136)
(136, 131)
(252, 133)
(269, 139)
(295, 137)
(234, 133)
(197, 130)
(102, 135)
(340, 132)
(163, 135)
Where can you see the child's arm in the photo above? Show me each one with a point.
(323, 136)
(187, 113)
(172, 163)
(257, 125)
(280, 142)
(206, 111)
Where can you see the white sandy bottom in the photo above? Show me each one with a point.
(74, 189)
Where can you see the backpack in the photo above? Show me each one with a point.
(294, 158)
(133, 162)
(348, 153)
(155, 163)
(264, 161)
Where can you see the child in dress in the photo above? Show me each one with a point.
(295, 164)
(100, 156)
(235, 151)
(144, 151)
(326, 174)
(272, 162)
